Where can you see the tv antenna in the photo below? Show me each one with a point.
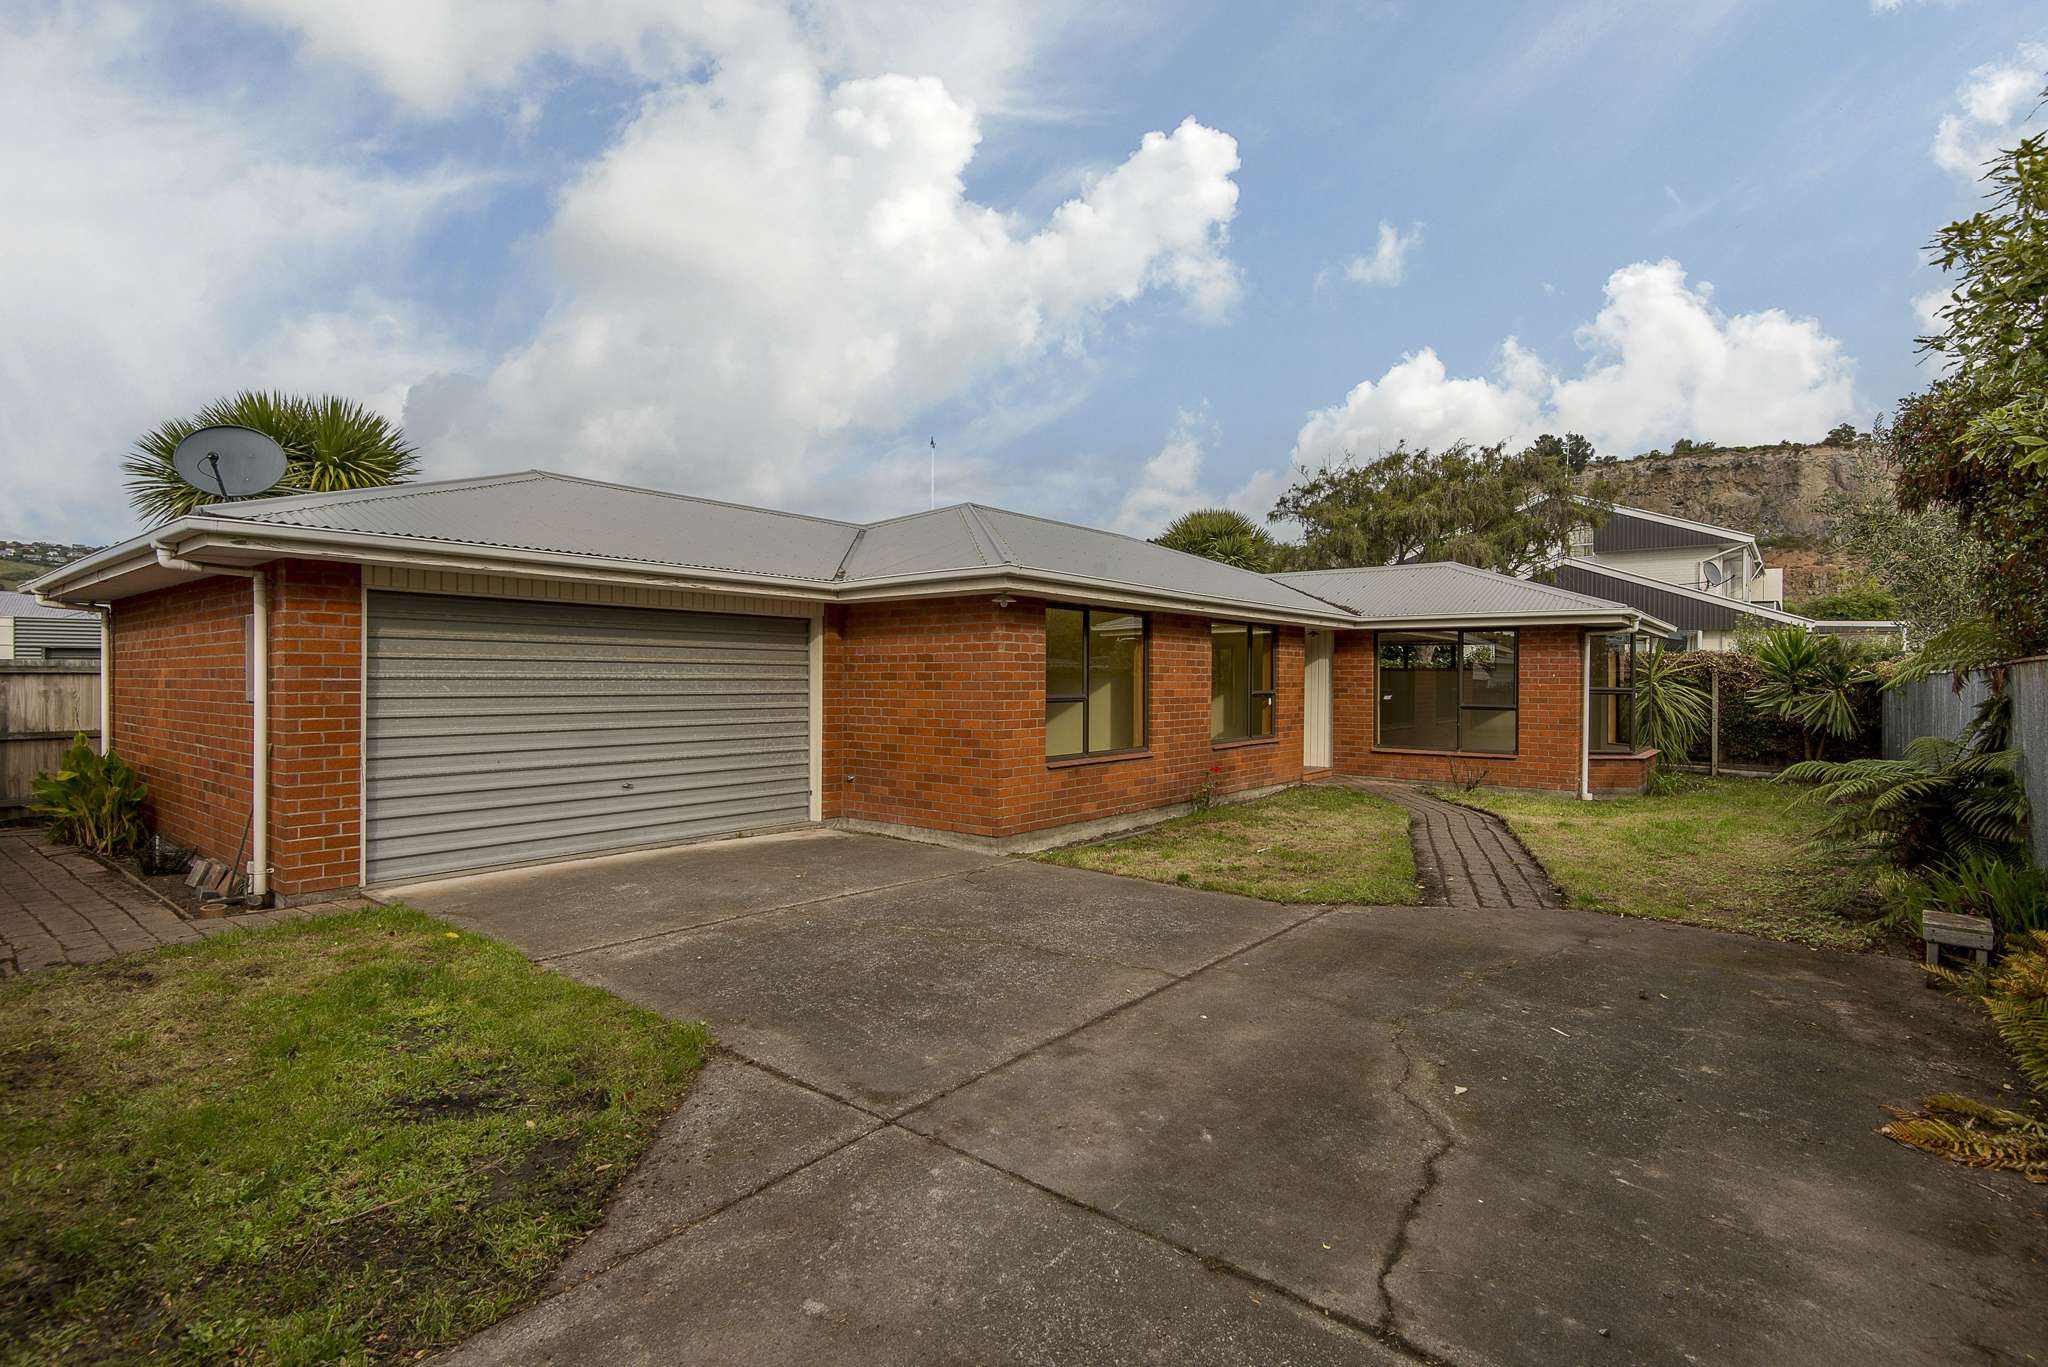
(230, 460)
(932, 496)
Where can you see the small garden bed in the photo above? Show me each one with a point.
(346, 1139)
(1307, 845)
(1729, 854)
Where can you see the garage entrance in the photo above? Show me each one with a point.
(498, 731)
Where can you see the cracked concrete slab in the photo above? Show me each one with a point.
(742, 1129)
(1251, 1124)
(897, 1250)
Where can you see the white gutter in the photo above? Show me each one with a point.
(259, 722)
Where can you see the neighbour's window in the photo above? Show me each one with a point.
(1449, 690)
(1240, 681)
(1094, 681)
(1614, 694)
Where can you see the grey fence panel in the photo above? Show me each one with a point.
(1933, 707)
(2028, 682)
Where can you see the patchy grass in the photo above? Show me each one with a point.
(1729, 854)
(1303, 845)
(347, 1139)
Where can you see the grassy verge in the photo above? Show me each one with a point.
(342, 1140)
(1730, 854)
(1304, 845)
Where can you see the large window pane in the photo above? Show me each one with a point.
(1064, 653)
(1490, 729)
(1418, 690)
(1262, 659)
(1229, 687)
(1063, 728)
(1262, 714)
(1489, 668)
(1612, 659)
(1614, 722)
(1116, 681)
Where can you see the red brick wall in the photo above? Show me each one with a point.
(1552, 675)
(182, 716)
(935, 717)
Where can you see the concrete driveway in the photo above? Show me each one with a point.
(988, 1110)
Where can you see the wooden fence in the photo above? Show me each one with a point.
(42, 706)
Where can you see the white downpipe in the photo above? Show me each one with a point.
(1586, 716)
(259, 722)
(106, 613)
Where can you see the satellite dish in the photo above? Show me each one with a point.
(1714, 575)
(229, 460)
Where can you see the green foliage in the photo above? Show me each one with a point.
(1976, 442)
(1943, 800)
(1571, 450)
(330, 444)
(1962, 648)
(93, 801)
(1224, 535)
(1686, 446)
(1812, 682)
(1842, 434)
(2010, 893)
(1477, 505)
(1864, 603)
(1672, 710)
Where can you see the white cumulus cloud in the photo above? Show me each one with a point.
(1388, 260)
(768, 263)
(1170, 483)
(1661, 362)
(1997, 106)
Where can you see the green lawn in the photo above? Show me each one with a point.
(1303, 845)
(1732, 854)
(343, 1140)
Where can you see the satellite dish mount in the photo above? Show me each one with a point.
(229, 460)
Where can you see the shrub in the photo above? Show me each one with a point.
(1944, 800)
(2012, 895)
(93, 801)
(1810, 681)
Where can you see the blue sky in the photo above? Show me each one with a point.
(1116, 267)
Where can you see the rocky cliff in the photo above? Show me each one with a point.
(1780, 493)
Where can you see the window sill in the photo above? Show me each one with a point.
(1443, 754)
(1597, 755)
(1243, 741)
(1106, 757)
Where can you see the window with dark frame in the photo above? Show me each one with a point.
(1241, 672)
(1095, 681)
(1612, 695)
(1450, 691)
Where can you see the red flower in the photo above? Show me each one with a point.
(1215, 768)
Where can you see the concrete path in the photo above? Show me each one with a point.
(60, 906)
(981, 1110)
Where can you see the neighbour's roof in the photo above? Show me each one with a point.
(1639, 529)
(25, 605)
(1684, 608)
(1447, 591)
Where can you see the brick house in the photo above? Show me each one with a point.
(374, 687)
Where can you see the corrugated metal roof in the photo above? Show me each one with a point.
(24, 605)
(1685, 609)
(1443, 590)
(1634, 529)
(538, 511)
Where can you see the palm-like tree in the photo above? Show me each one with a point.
(1222, 534)
(1810, 681)
(330, 443)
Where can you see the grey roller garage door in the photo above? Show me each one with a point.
(502, 731)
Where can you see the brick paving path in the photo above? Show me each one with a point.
(1465, 857)
(59, 906)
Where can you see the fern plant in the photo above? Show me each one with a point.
(2015, 992)
(93, 801)
(1943, 800)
